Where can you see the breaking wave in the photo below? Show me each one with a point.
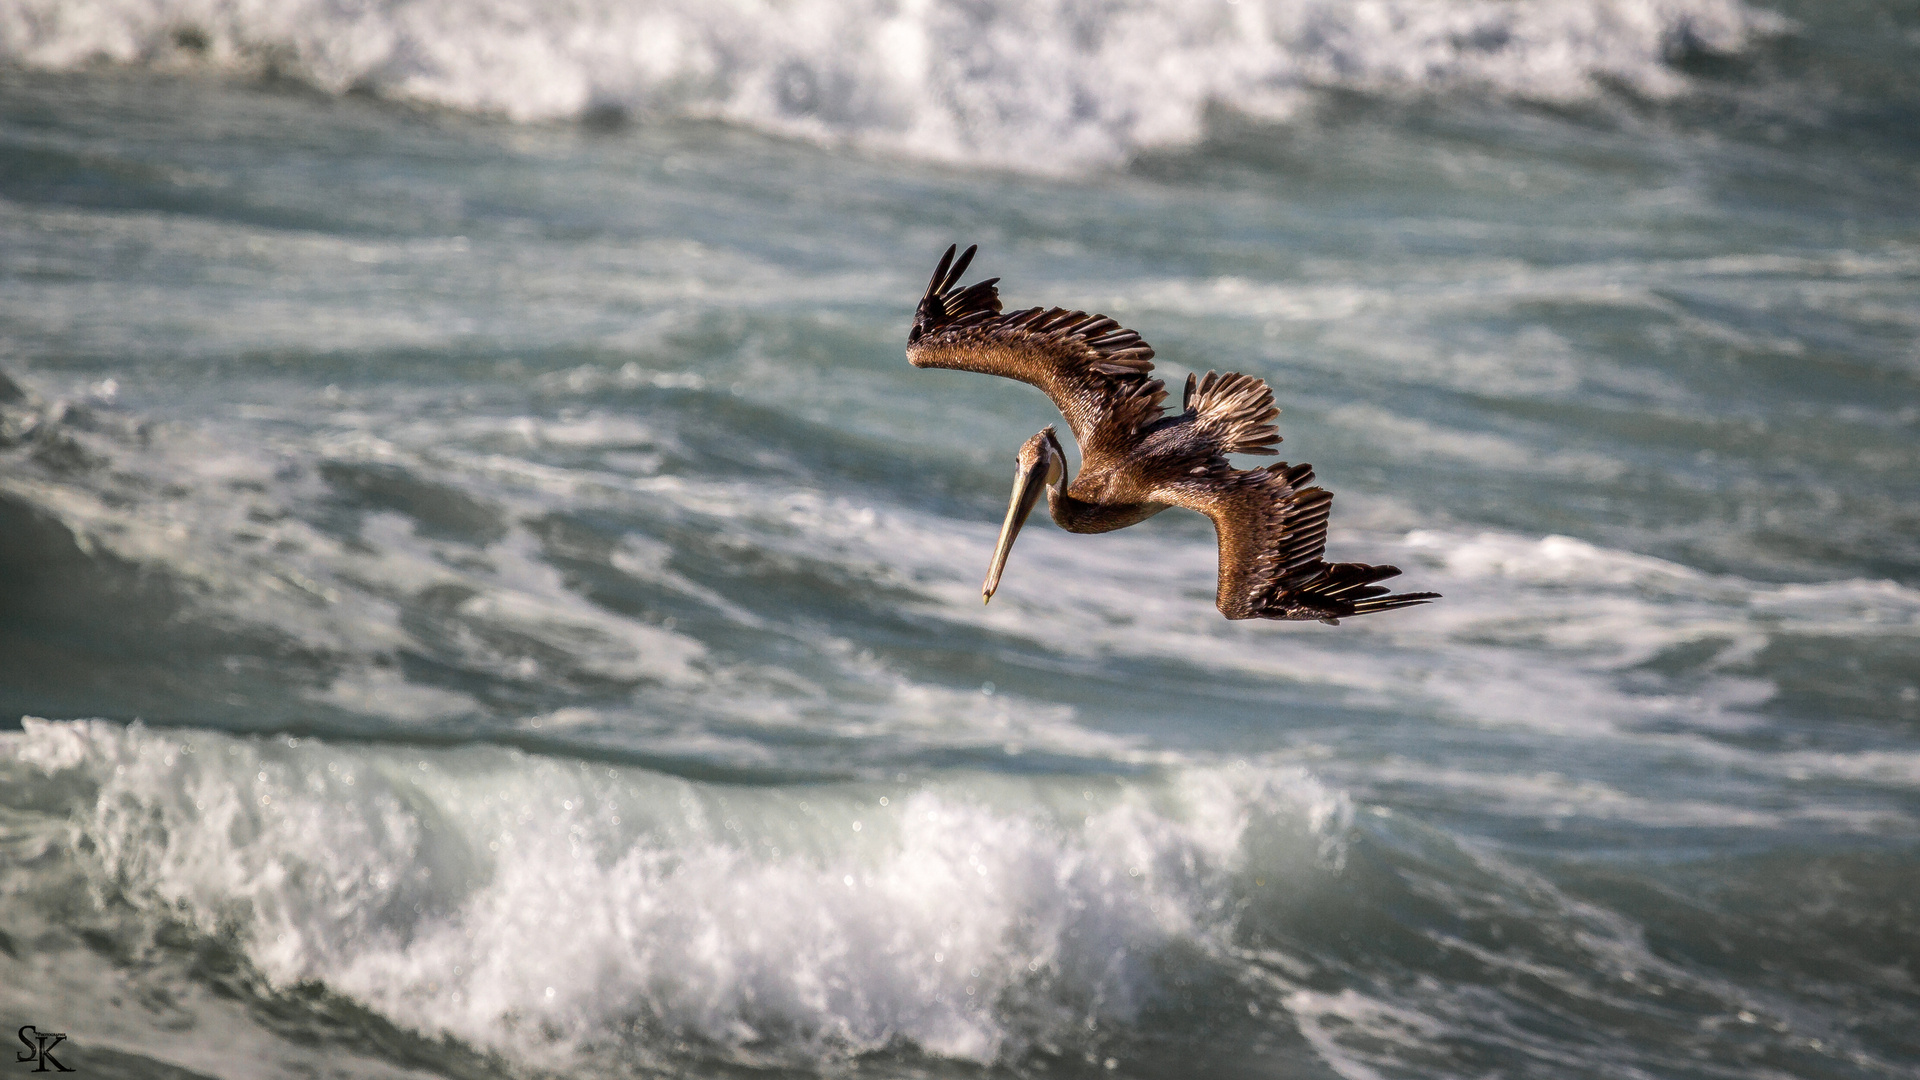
(513, 901)
(1049, 86)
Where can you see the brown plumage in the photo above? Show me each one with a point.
(1136, 461)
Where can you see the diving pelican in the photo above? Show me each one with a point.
(1135, 461)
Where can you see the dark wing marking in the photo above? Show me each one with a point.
(943, 307)
(1273, 533)
(1097, 372)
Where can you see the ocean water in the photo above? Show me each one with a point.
(482, 593)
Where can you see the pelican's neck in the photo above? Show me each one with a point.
(1080, 516)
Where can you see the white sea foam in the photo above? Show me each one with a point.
(1038, 85)
(514, 901)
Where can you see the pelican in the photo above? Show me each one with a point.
(1135, 461)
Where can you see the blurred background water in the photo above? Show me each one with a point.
(502, 605)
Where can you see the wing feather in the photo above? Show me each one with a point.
(1273, 537)
(1232, 413)
(1097, 372)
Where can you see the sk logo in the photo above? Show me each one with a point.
(40, 1046)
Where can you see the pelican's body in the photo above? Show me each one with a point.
(1136, 461)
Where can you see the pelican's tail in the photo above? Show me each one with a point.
(1233, 411)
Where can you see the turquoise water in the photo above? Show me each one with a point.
(482, 592)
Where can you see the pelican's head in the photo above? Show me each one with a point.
(1042, 463)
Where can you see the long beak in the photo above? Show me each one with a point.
(1026, 493)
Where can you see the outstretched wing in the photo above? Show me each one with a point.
(1097, 372)
(1273, 533)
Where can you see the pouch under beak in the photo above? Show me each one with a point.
(1027, 486)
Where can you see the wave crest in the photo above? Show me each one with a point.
(484, 894)
(1049, 86)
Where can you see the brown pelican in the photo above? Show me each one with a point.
(1135, 461)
